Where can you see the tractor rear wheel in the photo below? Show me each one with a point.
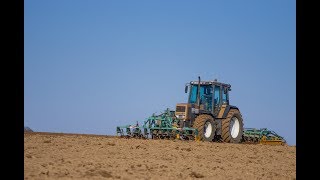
(232, 127)
(206, 127)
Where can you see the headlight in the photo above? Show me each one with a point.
(180, 116)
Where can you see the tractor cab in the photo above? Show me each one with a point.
(208, 96)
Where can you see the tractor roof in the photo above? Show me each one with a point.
(215, 82)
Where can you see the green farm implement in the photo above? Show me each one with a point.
(163, 126)
(262, 136)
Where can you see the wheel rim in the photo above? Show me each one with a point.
(207, 129)
(234, 127)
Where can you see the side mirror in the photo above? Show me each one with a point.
(186, 89)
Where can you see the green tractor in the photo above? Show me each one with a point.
(208, 110)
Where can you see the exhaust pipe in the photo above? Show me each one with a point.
(198, 92)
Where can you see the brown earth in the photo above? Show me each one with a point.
(76, 156)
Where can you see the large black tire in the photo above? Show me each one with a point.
(227, 134)
(200, 123)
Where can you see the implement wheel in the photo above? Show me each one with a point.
(206, 127)
(232, 127)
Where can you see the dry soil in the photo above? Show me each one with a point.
(79, 156)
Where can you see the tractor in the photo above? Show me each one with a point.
(207, 116)
(208, 110)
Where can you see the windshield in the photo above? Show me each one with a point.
(205, 93)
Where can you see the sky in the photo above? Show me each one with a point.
(90, 66)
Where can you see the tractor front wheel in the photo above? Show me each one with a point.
(206, 127)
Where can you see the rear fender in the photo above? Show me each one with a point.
(225, 110)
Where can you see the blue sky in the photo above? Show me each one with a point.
(93, 65)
